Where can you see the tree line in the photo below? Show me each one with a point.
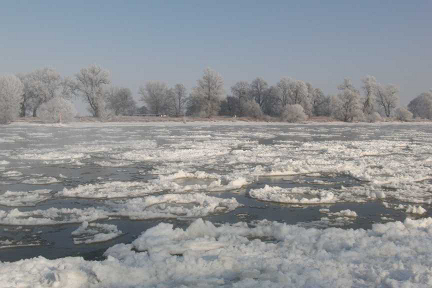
(46, 94)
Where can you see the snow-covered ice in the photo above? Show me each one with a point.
(389, 255)
(28, 198)
(293, 195)
(95, 232)
(81, 177)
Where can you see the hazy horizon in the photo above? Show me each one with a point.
(173, 41)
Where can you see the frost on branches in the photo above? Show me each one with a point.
(10, 97)
(57, 110)
(90, 84)
(402, 114)
(421, 106)
(208, 93)
(346, 105)
(294, 113)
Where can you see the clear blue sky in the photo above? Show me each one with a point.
(173, 41)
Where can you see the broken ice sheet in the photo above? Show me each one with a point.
(28, 198)
(89, 233)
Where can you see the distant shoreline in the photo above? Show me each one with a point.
(155, 119)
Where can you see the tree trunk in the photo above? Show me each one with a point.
(23, 110)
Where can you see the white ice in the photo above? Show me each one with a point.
(269, 254)
(88, 233)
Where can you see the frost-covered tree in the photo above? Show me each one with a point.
(251, 108)
(271, 103)
(346, 106)
(57, 110)
(421, 106)
(347, 84)
(284, 91)
(258, 90)
(91, 84)
(25, 105)
(387, 98)
(120, 101)
(373, 117)
(194, 105)
(320, 103)
(209, 93)
(369, 87)
(298, 92)
(306, 103)
(40, 86)
(230, 106)
(142, 110)
(293, 91)
(11, 90)
(180, 98)
(293, 113)
(403, 114)
(241, 91)
(157, 98)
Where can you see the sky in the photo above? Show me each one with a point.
(321, 42)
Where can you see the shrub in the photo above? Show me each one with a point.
(402, 114)
(293, 113)
(251, 109)
(57, 110)
(374, 117)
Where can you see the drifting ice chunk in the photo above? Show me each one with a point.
(415, 209)
(301, 195)
(95, 232)
(30, 198)
(41, 181)
(51, 216)
(173, 206)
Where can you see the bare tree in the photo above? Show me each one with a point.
(157, 98)
(90, 84)
(209, 93)
(285, 91)
(120, 101)
(11, 90)
(241, 91)
(258, 89)
(230, 106)
(194, 105)
(179, 94)
(369, 87)
(319, 103)
(25, 105)
(271, 102)
(387, 98)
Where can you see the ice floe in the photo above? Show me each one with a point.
(95, 232)
(298, 195)
(268, 254)
(173, 206)
(151, 207)
(28, 198)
